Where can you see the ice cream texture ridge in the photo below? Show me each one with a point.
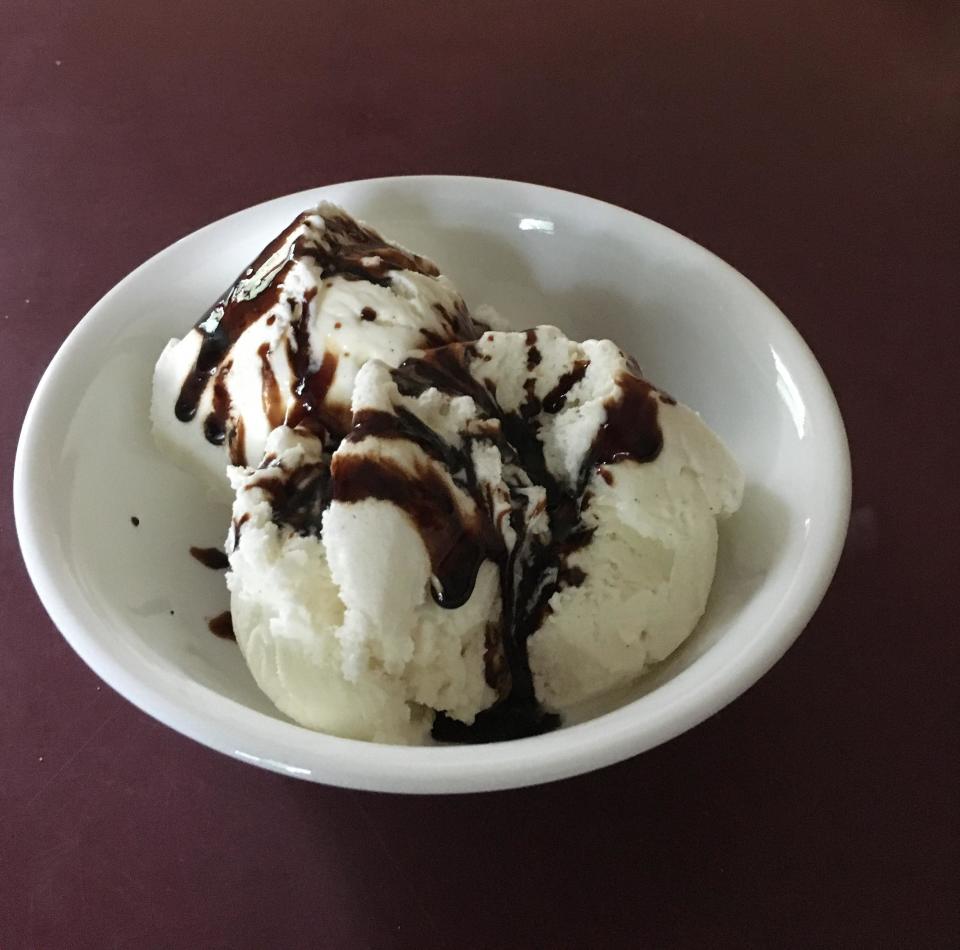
(443, 530)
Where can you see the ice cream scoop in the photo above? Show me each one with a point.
(285, 342)
(510, 526)
(289, 581)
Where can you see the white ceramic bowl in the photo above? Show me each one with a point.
(134, 605)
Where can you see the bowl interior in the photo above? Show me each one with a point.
(135, 604)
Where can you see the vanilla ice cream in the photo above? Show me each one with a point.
(285, 342)
(293, 586)
(511, 526)
(439, 530)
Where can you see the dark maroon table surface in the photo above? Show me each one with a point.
(815, 147)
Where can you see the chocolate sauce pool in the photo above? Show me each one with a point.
(222, 626)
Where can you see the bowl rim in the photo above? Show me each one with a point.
(281, 746)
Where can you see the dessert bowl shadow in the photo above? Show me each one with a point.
(105, 522)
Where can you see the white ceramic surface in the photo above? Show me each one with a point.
(133, 603)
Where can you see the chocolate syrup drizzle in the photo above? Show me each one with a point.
(298, 498)
(454, 516)
(344, 248)
(458, 537)
(458, 544)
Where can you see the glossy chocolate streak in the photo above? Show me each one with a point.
(532, 405)
(273, 404)
(446, 369)
(555, 400)
(237, 525)
(549, 572)
(457, 542)
(406, 425)
(460, 325)
(371, 261)
(631, 429)
(496, 670)
(213, 558)
(309, 386)
(298, 498)
(236, 443)
(431, 339)
(244, 303)
(310, 391)
(572, 576)
(215, 425)
(358, 252)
